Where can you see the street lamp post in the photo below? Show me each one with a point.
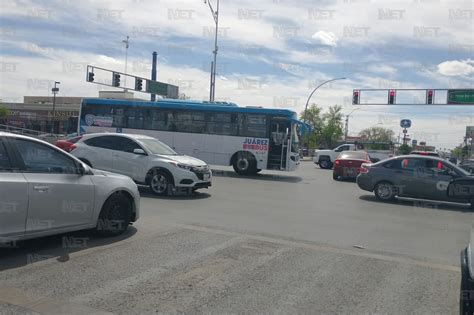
(215, 16)
(55, 90)
(307, 102)
(346, 128)
(126, 42)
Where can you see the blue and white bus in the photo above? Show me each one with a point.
(248, 138)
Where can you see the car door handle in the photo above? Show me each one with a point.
(41, 188)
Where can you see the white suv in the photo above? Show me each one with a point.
(145, 159)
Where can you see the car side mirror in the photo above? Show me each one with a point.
(139, 152)
(82, 169)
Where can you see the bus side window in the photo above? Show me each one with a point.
(156, 120)
(118, 117)
(171, 121)
(222, 124)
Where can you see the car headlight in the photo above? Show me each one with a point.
(183, 166)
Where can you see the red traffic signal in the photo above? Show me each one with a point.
(429, 96)
(391, 97)
(355, 97)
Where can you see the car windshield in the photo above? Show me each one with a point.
(458, 169)
(157, 147)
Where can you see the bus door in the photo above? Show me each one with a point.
(278, 151)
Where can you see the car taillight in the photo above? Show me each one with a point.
(337, 162)
(364, 169)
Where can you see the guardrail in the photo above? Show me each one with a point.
(31, 133)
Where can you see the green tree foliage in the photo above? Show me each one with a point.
(3, 114)
(314, 119)
(327, 127)
(378, 134)
(404, 149)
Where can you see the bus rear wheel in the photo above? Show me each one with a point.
(244, 163)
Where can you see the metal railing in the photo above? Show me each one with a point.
(32, 133)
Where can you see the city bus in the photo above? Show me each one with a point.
(250, 139)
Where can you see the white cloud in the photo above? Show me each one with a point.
(456, 67)
(383, 69)
(325, 38)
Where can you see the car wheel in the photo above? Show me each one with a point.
(115, 216)
(244, 164)
(325, 163)
(161, 183)
(384, 191)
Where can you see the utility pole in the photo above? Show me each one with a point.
(215, 16)
(346, 129)
(55, 90)
(126, 42)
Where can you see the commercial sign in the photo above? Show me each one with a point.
(405, 123)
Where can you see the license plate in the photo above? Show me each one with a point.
(206, 176)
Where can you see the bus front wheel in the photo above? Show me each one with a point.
(244, 163)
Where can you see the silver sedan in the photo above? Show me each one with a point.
(45, 191)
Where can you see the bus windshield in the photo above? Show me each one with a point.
(157, 147)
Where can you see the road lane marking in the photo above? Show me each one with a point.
(129, 282)
(325, 248)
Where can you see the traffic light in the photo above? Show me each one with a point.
(138, 84)
(355, 97)
(90, 77)
(391, 97)
(116, 79)
(429, 97)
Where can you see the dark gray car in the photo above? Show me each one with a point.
(421, 177)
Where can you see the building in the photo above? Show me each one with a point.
(36, 112)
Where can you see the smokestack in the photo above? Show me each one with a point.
(153, 73)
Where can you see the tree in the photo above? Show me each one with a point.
(314, 119)
(332, 130)
(404, 149)
(378, 134)
(3, 114)
(327, 127)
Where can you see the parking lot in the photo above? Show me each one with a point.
(273, 243)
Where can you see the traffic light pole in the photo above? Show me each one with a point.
(215, 16)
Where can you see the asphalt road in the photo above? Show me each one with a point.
(273, 243)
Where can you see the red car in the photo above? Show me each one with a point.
(68, 143)
(347, 164)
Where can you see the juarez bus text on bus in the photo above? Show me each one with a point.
(248, 138)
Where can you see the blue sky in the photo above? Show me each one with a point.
(271, 52)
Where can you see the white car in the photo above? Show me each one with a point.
(45, 191)
(146, 160)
